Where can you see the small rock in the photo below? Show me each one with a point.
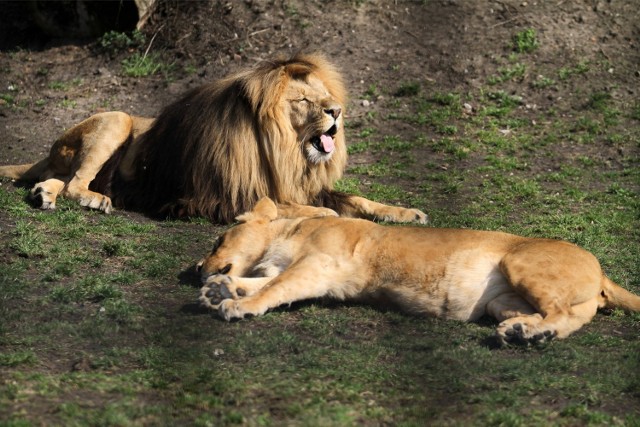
(365, 103)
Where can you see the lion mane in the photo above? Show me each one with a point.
(225, 145)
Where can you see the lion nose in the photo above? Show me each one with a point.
(333, 112)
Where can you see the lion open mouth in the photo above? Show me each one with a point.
(324, 143)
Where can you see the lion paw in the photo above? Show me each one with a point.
(41, 198)
(522, 333)
(98, 201)
(408, 215)
(419, 216)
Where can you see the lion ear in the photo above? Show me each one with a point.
(265, 210)
(297, 70)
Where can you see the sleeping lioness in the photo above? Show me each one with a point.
(537, 288)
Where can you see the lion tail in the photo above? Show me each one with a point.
(618, 297)
(26, 172)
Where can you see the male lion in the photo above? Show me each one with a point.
(274, 130)
(537, 288)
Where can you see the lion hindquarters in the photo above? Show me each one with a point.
(93, 142)
(26, 172)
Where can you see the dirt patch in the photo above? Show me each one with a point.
(447, 45)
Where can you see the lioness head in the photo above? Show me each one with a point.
(238, 249)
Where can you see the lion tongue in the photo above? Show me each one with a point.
(327, 143)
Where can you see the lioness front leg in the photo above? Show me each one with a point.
(537, 329)
(359, 206)
(307, 279)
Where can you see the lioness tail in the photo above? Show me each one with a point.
(27, 172)
(618, 297)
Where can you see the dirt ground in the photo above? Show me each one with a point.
(450, 45)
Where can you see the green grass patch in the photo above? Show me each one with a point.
(566, 72)
(141, 65)
(526, 41)
(113, 42)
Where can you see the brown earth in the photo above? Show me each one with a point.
(447, 45)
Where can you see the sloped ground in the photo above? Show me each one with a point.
(447, 114)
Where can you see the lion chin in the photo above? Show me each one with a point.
(321, 147)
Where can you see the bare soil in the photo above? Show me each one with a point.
(448, 45)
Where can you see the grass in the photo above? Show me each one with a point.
(99, 324)
(526, 41)
(140, 65)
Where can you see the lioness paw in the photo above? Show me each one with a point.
(215, 290)
(523, 333)
(230, 309)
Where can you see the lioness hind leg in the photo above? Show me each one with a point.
(561, 282)
(26, 172)
(537, 329)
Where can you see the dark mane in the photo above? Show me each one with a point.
(165, 181)
(223, 146)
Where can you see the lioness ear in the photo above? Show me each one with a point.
(265, 209)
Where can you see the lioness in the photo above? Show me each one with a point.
(276, 130)
(537, 288)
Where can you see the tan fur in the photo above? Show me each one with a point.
(76, 158)
(215, 151)
(537, 288)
